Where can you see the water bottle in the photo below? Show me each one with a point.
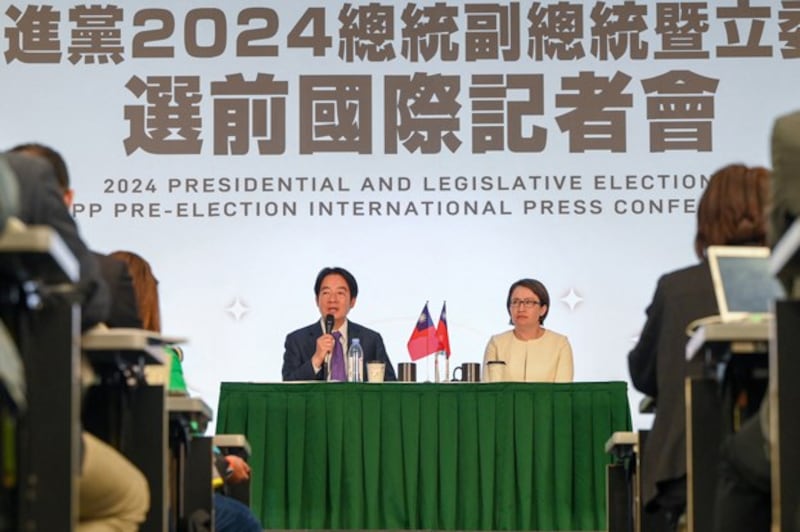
(355, 361)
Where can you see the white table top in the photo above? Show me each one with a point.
(744, 334)
(189, 405)
(101, 340)
(40, 240)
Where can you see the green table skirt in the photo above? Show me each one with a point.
(461, 456)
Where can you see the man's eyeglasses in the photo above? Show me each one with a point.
(527, 303)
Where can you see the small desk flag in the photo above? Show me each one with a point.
(441, 331)
(423, 341)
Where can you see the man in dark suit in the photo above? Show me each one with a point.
(40, 204)
(124, 311)
(307, 350)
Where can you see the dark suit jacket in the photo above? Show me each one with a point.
(124, 310)
(658, 367)
(301, 344)
(40, 202)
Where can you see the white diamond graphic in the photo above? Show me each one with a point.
(572, 299)
(237, 309)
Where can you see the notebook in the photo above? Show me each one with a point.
(743, 285)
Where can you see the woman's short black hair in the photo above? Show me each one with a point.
(537, 287)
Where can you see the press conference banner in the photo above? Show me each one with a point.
(438, 150)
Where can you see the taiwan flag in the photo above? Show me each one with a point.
(423, 341)
(441, 331)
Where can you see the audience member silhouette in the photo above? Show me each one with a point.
(731, 212)
(230, 515)
(105, 502)
(123, 312)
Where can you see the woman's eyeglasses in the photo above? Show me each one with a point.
(527, 303)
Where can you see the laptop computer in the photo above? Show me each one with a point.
(743, 285)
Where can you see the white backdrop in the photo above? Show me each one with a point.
(236, 284)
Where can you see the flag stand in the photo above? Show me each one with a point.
(446, 366)
(436, 366)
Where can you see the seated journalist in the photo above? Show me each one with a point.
(308, 350)
(40, 203)
(230, 515)
(531, 352)
(106, 502)
(122, 312)
(731, 212)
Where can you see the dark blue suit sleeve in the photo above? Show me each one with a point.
(298, 350)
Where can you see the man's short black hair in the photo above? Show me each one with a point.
(50, 155)
(336, 270)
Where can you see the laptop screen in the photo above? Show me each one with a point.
(743, 286)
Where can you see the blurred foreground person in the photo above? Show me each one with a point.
(744, 490)
(731, 212)
(230, 515)
(122, 312)
(117, 501)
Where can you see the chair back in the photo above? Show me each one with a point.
(9, 192)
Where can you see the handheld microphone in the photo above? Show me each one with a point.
(328, 329)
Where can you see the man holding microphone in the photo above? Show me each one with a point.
(316, 352)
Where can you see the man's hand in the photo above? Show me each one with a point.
(240, 471)
(324, 348)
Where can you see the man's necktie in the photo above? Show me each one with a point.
(337, 359)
